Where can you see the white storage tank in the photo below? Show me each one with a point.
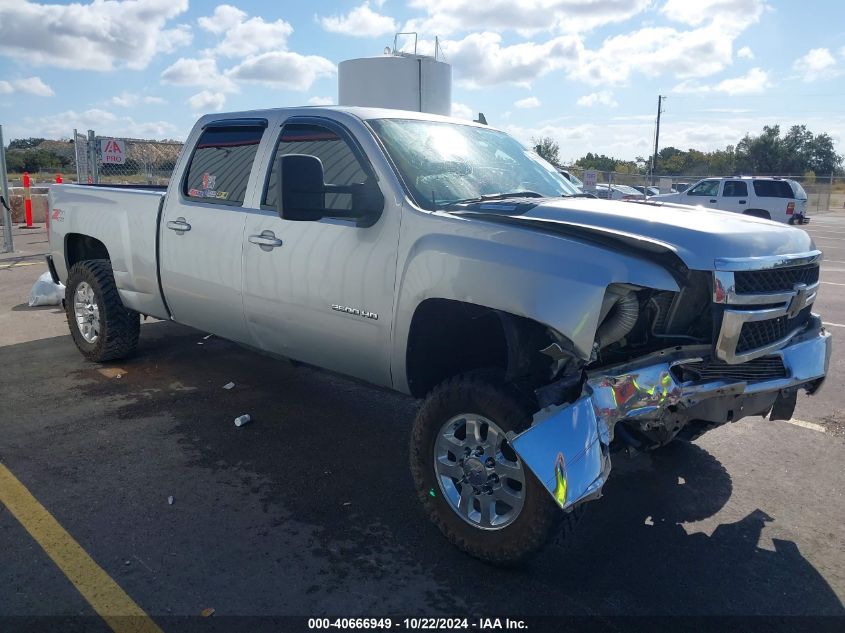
(400, 81)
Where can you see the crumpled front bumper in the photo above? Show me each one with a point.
(567, 446)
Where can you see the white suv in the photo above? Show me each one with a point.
(770, 198)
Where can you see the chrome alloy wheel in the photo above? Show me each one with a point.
(479, 473)
(87, 312)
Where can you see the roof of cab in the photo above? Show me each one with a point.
(359, 112)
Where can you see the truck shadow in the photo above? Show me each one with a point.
(333, 455)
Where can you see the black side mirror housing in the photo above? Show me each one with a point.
(302, 193)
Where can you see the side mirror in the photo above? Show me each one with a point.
(303, 193)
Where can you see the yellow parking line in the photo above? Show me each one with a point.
(106, 597)
(15, 265)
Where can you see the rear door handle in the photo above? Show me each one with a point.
(267, 240)
(742, 201)
(713, 200)
(179, 225)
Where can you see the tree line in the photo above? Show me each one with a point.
(798, 152)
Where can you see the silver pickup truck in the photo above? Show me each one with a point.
(442, 259)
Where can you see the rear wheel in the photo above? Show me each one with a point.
(102, 328)
(470, 481)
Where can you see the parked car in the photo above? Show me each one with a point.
(647, 191)
(618, 192)
(572, 178)
(762, 197)
(437, 258)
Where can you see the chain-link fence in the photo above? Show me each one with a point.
(823, 192)
(128, 161)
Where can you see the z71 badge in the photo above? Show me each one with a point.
(355, 311)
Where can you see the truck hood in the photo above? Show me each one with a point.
(696, 235)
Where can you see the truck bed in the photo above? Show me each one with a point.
(125, 219)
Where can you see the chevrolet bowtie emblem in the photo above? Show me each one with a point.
(799, 301)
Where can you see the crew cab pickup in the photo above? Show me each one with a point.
(442, 259)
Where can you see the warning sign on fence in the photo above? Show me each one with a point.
(112, 151)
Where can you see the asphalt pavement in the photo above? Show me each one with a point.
(309, 510)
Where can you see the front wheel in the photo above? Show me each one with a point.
(472, 484)
(102, 328)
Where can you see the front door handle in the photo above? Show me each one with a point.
(742, 201)
(179, 225)
(267, 240)
(713, 200)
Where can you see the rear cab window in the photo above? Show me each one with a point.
(221, 163)
(735, 189)
(773, 189)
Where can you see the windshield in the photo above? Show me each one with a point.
(446, 163)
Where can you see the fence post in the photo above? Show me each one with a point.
(8, 247)
(93, 171)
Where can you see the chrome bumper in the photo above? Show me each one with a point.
(567, 446)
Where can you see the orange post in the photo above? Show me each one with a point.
(59, 179)
(27, 201)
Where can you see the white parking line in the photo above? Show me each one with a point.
(833, 324)
(807, 425)
(831, 283)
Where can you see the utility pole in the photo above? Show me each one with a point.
(660, 99)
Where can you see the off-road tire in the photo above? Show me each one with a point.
(486, 394)
(119, 327)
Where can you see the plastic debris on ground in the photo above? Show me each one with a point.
(207, 613)
(45, 293)
(170, 500)
(228, 385)
(242, 419)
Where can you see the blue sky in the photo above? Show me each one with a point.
(585, 72)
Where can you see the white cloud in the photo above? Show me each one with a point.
(361, 21)
(462, 111)
(745, 53)
(528, 102)
(130, 99)
(755, 81)
(96, 36)
(603, 97)
(695, 13)
(207, 101)
(244, 36)
(320, 101)
(29, 85)
(104, 122)
(814, 63)
(283, 69)
(199, 72)
(481, 60)
(445, 17)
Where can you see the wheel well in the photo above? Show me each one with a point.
(449, 337)
(80, 247)
(758, 213)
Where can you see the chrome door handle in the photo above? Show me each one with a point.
(179, 225)
(267, 240)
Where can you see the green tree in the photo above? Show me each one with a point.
(26, 143)
(547, 148)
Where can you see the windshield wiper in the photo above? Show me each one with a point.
(497, 196)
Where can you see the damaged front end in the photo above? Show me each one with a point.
(679, 391)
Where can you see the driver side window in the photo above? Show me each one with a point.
(705, 188)
(340, 165)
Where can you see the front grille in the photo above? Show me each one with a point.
(759, 369)
(756, 334)
(775, 279)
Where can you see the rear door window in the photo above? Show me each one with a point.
(773, 189)
(221, 164)
(735, 189)
(705, 188)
